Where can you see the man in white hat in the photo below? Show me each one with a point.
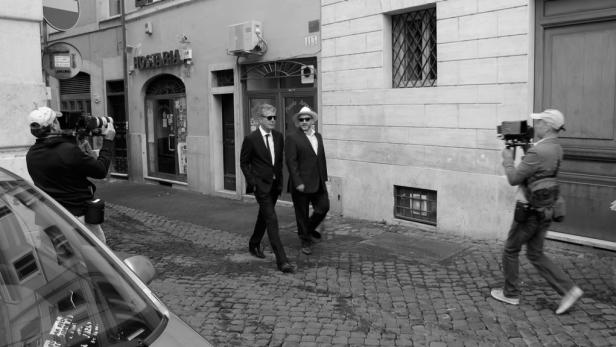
(61, 168)
(305, 156)
(536, 176)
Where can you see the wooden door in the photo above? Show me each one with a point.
(575, 72)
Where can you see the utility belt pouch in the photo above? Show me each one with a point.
(95, 211)
(543, 192)
(522, 211)
(559, 210)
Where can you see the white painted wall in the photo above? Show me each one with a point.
(21, 79)
(440, 138)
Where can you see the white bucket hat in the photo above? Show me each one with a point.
(306, 111)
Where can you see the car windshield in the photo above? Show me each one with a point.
(57, 286)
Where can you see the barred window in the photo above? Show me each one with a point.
(414, 204)
(414, 48)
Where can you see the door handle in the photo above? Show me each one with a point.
(170, 146)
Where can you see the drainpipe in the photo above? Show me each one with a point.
(125, 73)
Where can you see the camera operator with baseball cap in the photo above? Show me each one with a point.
(59, 167)
(535, 209)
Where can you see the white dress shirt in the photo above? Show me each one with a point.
(270, 139)
(313, 140)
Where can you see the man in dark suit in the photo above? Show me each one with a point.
(261, 163)
(305, 156)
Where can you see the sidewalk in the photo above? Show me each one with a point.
(366, 284)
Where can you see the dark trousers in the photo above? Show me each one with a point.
(307, 224)
(532, 233)
(268, 220)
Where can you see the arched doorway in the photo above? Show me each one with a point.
(166, 128)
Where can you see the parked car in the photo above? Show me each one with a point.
(61, 286)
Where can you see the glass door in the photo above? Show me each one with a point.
(169, 138)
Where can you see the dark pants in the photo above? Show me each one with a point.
(268, 220)
(532, 233)
(307, 224)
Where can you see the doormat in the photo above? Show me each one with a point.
(415, 248)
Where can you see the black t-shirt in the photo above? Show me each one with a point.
(61, 169)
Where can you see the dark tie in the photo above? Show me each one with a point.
(268, 147)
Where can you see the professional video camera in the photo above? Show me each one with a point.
(515, 134)
(88, 125)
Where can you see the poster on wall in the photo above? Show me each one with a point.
(181, 153)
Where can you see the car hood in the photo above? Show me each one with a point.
(178, 333)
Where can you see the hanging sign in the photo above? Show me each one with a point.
(62, 60)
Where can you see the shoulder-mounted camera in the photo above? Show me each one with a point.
(515, 134)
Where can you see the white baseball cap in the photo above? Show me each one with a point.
(43, 117)
(551, 116)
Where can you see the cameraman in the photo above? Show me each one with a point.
(535, 210)
(61, 168)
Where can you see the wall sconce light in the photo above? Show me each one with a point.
(149, 29)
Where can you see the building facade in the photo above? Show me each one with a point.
(409, 95)
(22, 87)
(412, 93)
(195, 69)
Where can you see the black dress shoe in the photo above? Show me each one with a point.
(287, 268)
(315, 234)
(256, 251)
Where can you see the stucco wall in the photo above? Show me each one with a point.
(21, 79)
(440, 138)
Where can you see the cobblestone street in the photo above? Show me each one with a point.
(366, 284)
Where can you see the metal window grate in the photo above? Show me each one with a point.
(418, 205)
(414, 48)
(80, 84)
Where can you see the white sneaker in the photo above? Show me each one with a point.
(569, 299)
(500, 296)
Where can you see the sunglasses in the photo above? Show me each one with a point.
(269, 117)
(305, 119)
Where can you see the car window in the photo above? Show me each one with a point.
(57, 287)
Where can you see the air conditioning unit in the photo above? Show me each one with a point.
(244, 37)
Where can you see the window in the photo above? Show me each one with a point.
(114, 8)
(414, 48)
(223, 78)
(141, 3)
(418, 205)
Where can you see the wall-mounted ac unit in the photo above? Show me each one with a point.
(244, 37)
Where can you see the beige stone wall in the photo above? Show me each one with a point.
(439, 138)
(21, 79)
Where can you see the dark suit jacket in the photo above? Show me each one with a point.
(305, 166)
(256, 162)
